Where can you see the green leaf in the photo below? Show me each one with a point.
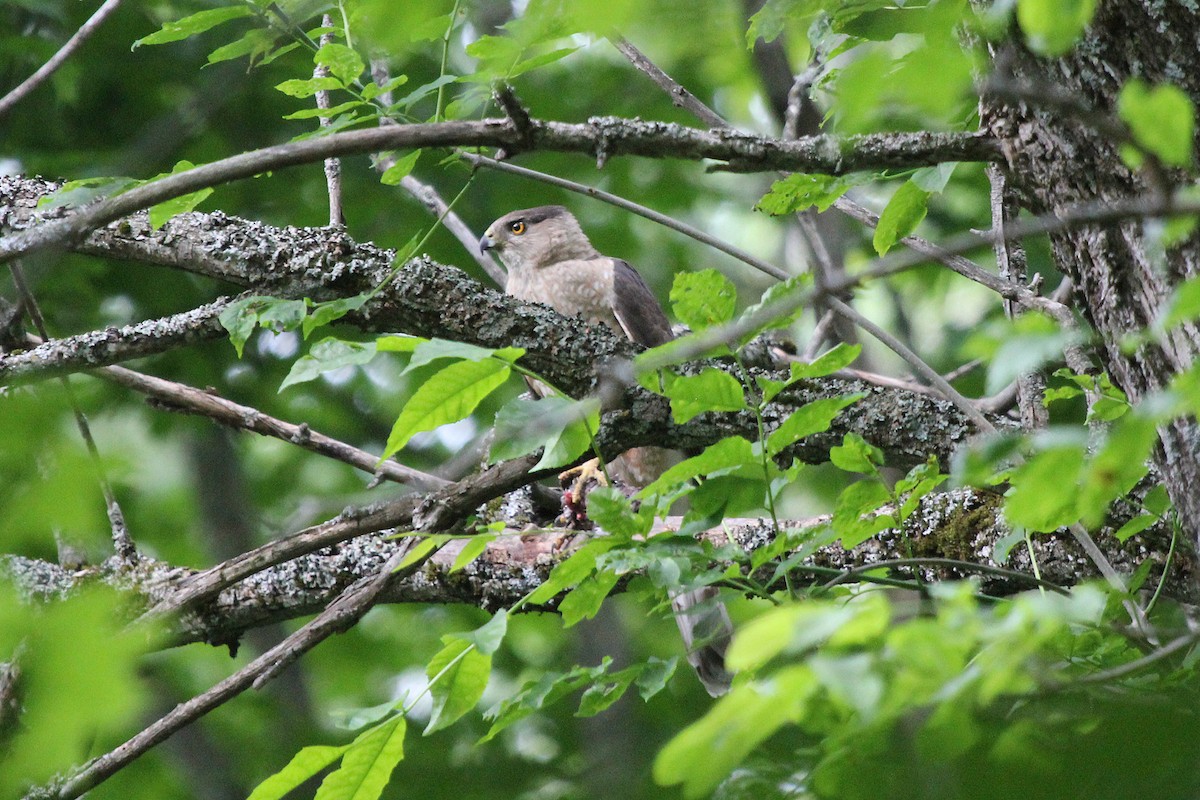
(160, 213)
(711, 390)
(1162, 119)
(1029, 504)
(450, 395)
(255, 42)
(855, 515)
(240, 317)
(705, 752)
(604, 692)
(798, 192)
(703, 299)
(810, 418)
(458, 674)
(343, 62)
(1117, 466)
(856, 454)
(331, 311)
(430, 350)
(472, 550)
(1135, 526)
(829, 362)
(1053, 26)
(368, 764)
(373, 90)
(282, 315)
(488, 636)
(193, 24)
(535, 695)
(328, 354)
(584, 600)
(654, 676)
(422, 548)
(1184, 305)
(329, 113)
(729, 453)
(904, 212)
(614, 513)
(574, 569)
(302, 88)
(305, 764)
(400, 170)
(563, 427)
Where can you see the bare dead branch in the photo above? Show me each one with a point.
(58, 59)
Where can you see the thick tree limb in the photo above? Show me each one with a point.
(964, 525)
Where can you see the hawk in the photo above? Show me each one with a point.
(550, 260)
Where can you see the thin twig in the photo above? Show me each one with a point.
(123, 545)
(46, 70)
(333, 166)
(1010, 259)
(180, 397)
(916, 362)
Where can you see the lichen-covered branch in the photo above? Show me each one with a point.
(963, 525)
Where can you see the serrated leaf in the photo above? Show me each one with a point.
(368, 764)
(332, 310)
(340, 108)
(448, 396)
(305, 764)
(535, 695)
(488, 636)
(472, 550)
(704, 753)
(654, 676)
(193, 24)
(799, 192)
(829, 362)
(1162, 119)
(574, 569)
(584, 600)
(1135, 526)
(458, 674)
(604, 692)
(429, 350)
(854, 515)
(1029, 505)
(421, 549)
(1053, 26)
(703, 299)
(254, 42)
(373, 90)
(160, 213)
(903, 213)
(328, 354)
(240, 317)
(613, 512)
(856, 454)
(711, 390)
(400, 170)
(307, 87)
(563, 427)
(729, 453)
(280, 315)
(814, 417)
(343, 62)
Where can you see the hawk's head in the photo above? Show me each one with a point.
(536, 237)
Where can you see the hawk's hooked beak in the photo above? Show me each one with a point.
(486, 243)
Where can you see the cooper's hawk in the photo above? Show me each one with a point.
(551, 261)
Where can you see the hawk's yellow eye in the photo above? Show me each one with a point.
(517, 227)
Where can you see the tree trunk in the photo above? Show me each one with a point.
(1057, 158)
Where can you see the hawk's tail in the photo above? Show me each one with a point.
(706, 630)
